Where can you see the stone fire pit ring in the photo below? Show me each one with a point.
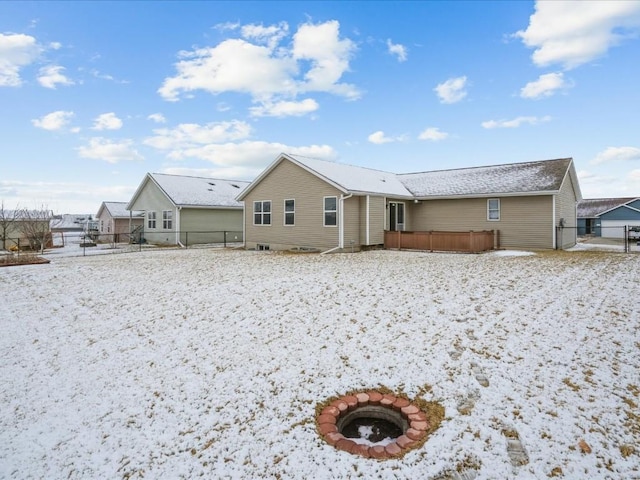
(397, 409)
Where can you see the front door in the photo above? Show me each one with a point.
(396, 216)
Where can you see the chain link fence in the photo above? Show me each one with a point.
(620, 238)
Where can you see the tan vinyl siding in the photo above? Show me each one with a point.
(525, 222)
(376, 220)
(351, 223)
(288, 181)
(566, 208)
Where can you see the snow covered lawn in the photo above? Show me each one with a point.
(209, 363)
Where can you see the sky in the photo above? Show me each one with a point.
(93, 95)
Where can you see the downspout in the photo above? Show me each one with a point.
(553, 223)
(340, 224)
(178, 242)
(367, 223)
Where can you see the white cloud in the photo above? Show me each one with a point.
(609, 184)
(253, 154)
(157, 117)
(400, 51)
(110, 151)
(53, 121)
(285, 109)
(16, 51)
(572, 33)
(329, 56)
(379, 138)
(546, 86)
(516, 122)
(52, 76)
(617, 154)
(433, 133)
(270, 35)
(267, 71)
(107, 121)
(190, 135)
(453, 90)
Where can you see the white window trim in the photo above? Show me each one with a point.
(284, 217)
(324, 211)
(489, 219)
(262, 213)
(151, 217)
(167, 219)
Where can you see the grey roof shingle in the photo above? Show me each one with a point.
(513, 178)
(592, 207)
(200, 191)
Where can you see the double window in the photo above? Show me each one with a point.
(262, 212)
(290, 212)
(330, 211)
(151, 219)
(493, 209)
(167, 219)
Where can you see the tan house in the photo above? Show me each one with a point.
(299, 202)
(113, 218)
(184, 210)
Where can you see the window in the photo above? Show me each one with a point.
(262, 212)
(101, 226)
(290, 212)
(167, 219)
(151, 219)
(493, 209)
(330, 211)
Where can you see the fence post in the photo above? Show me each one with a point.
(224, 236)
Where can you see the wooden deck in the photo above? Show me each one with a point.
(471, 242)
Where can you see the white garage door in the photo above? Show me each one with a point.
(614, 228)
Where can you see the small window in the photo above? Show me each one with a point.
(151, 219)
(167, 219)
(290, 212)
(493, 209)
(330, 211)
(262, 212)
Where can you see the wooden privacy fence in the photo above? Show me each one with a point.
(472, 242)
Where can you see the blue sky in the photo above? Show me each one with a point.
(93, 95)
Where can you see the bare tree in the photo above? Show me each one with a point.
(35, 227)
(7, 223)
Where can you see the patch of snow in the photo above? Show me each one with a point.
(511, 253)
(210, 363)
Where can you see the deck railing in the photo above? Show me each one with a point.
(472, 242)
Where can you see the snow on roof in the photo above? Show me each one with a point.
(528, 177)
(355, 179)
(200, 191)
(119, 210)
(592, 207)
(70, 221)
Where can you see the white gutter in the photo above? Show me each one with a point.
(178, 242)
(367, 223)
(341, 229)
(340, 225)
(553, 222)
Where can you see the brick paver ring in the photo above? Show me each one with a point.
(398, 410)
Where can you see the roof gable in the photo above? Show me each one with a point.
(199, 192)
(592, 207)
(118, 210)
(346, 178)
(544, 176)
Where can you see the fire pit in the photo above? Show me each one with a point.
(375, 424)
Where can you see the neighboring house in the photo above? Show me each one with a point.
(25, 229)
(607, 217)
(70, 222)
(184, 210)
(114, 219)
(310, 203)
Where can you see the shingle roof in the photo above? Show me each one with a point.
(355, 179)
(515, 178)
(200, 191)
(592, 207)
(119, 210)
